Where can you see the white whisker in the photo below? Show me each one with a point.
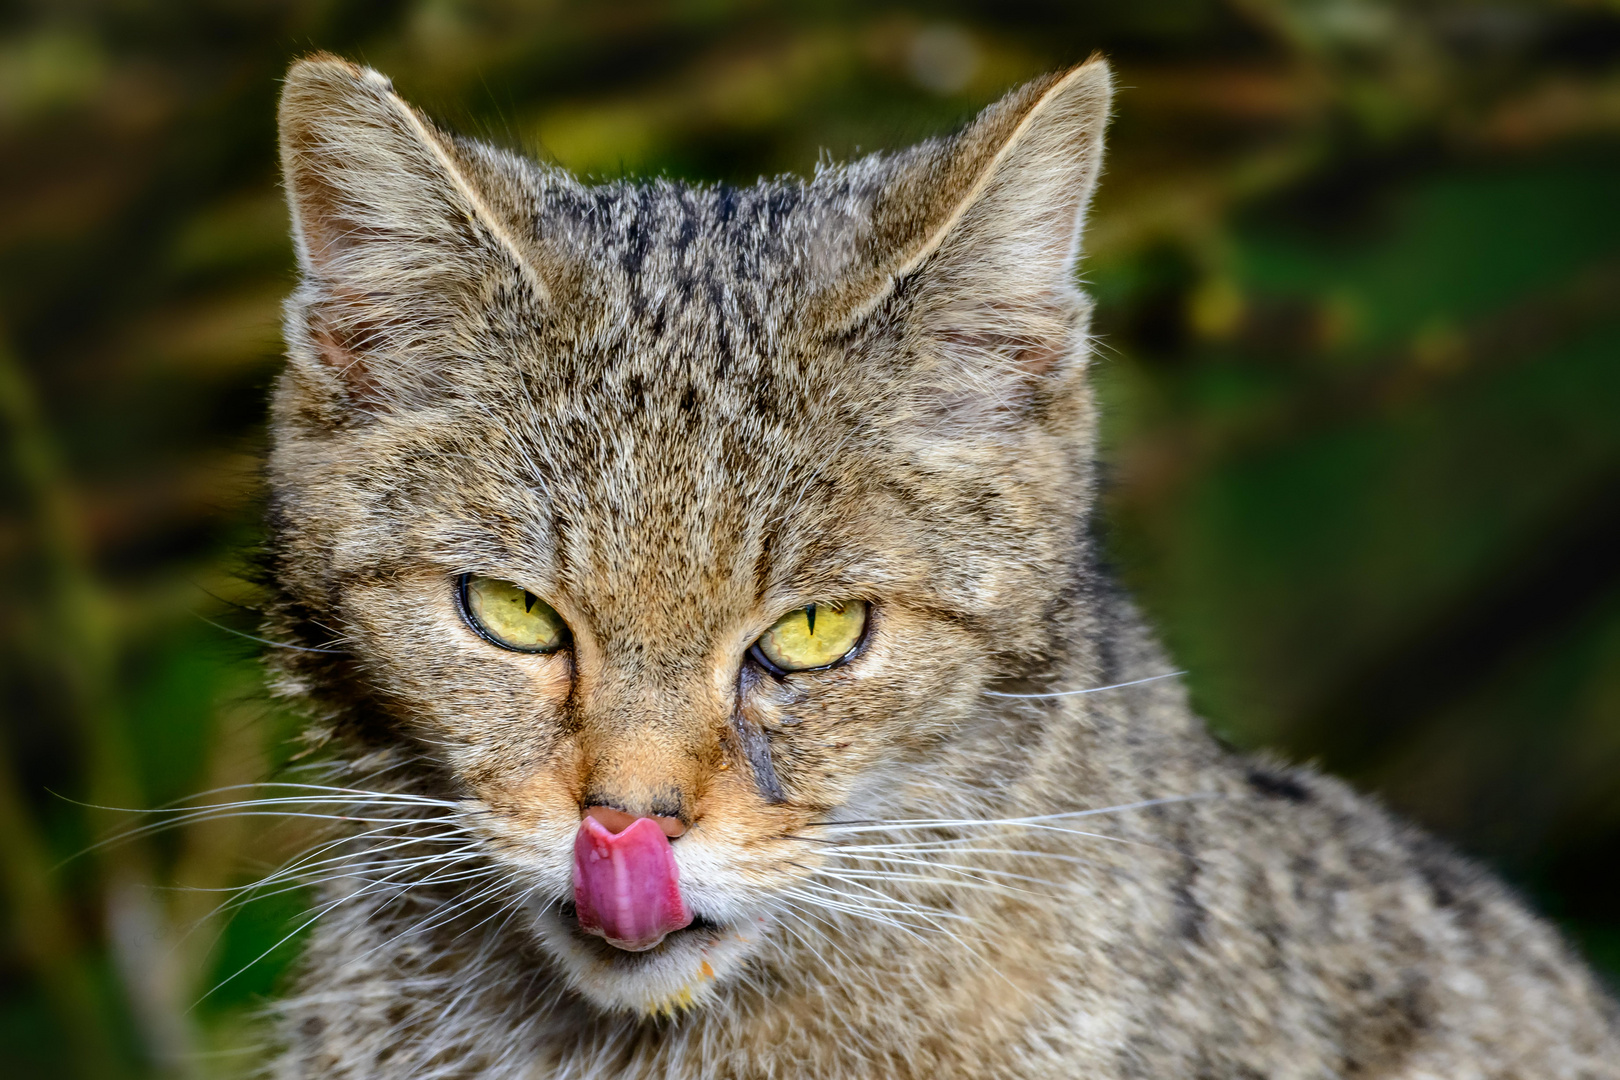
(917, 879)
(1087, 690)
(1034, 821)
(902, 875)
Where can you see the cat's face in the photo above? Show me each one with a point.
(655, 422)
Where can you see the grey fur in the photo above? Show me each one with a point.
(676, 413)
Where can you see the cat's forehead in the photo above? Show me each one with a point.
(678, 404)
(713, 258)
(690, 331)
(664, 227)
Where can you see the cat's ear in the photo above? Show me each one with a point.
(397, 233)
(974, 244)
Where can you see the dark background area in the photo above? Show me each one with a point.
(1358, 272)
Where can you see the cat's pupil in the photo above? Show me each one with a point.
(528, 601)
(810, 616)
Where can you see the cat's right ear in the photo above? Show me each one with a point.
(971, 248)
(397, 236)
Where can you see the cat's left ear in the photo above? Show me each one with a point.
(975, 243)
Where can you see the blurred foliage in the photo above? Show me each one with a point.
(1358, 264)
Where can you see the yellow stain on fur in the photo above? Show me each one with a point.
(705, 970)
(675, 1003)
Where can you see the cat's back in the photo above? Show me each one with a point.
(1308, 926)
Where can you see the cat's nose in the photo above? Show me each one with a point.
(615, 820)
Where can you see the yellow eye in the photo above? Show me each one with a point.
(511, 616)
(815, 636)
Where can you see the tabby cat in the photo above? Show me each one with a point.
(693, 595)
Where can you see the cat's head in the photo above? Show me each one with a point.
(564, 469)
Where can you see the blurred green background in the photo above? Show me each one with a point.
(1358, 266)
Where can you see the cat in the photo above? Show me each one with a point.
(694, 595)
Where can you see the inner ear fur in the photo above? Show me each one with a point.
(395, 234)
(976, 240)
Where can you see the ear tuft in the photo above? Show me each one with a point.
(342, 130)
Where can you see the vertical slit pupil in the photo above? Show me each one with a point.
(528, 601)
(810, 616)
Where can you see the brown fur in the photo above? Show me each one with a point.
(677, 413)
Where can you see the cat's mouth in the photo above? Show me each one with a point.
(678, 973)
(700, 930)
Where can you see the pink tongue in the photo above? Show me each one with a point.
(625, 886)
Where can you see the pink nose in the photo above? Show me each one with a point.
(626, 885)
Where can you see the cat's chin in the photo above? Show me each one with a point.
(679, 973)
